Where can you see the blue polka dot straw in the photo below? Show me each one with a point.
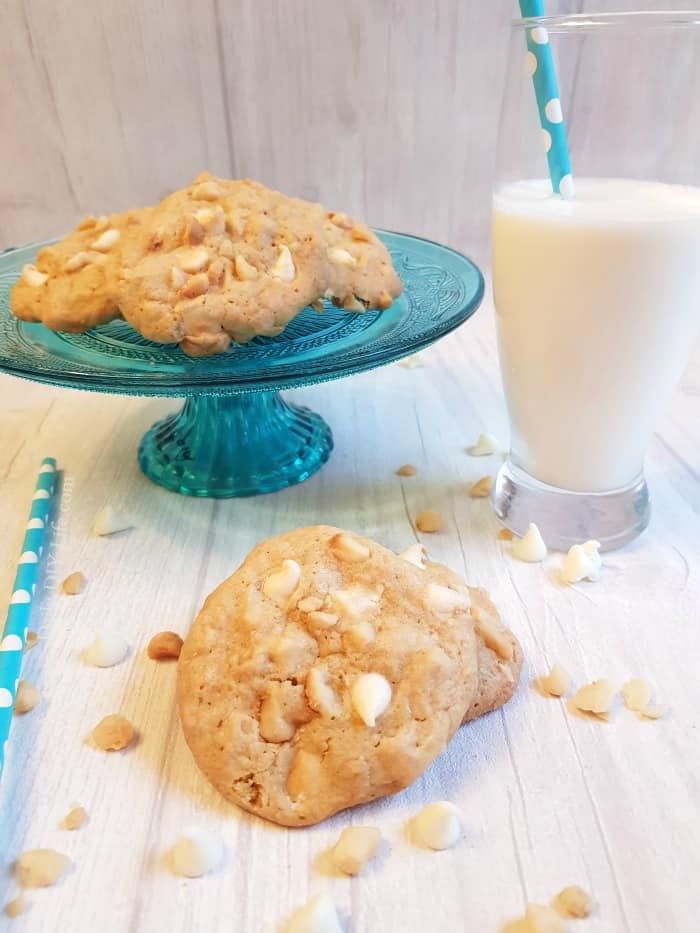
(14, 633)
(544, 79)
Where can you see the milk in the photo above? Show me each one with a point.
(597, 303)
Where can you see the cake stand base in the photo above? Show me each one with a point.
(222, 446)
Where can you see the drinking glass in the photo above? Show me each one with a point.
(597, 295)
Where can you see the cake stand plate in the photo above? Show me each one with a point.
(236, 435)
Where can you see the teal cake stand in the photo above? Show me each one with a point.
(235, 434)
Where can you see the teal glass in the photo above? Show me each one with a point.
(235, 435)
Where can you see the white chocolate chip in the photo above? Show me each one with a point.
(310, 604)
(106, 240)
(539, 918)
(597, 697)
(101, 223)
(530, 548)
(349, 548)
(196, 852)
(39, 868)
(316, 916)
(443, 600)
(360, 635)
(206, 191)
(486, 444)
(26, 697)
(494, 636)
(283, 269)
(557, 683)
(342, 257)
(107, 649)
(353, 303)
(77, 261)
(319, 693)
(74, 584)
(574, 902)
(414, 361)
(108, 521)
(280, 585)
(370, 695)
(653, 711)
(355, 601)
(177, 277)
(415, 554)
(193, 260)
(16, 906)
(481, 488)
(438, 825)
(356, 846)
(32, 276)
(213, 221)
(636, 694)
(244, 270)
(74, 819)
(322, 619)
(583, 562)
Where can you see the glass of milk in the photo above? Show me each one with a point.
(597, 298)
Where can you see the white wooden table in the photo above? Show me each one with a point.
(548, 799)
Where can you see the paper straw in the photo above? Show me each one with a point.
(544, 79)
(14, 633)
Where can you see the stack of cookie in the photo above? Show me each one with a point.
(217, 261)
(328, 671)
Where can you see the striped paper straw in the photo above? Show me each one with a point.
(14, 633)
(544, 79)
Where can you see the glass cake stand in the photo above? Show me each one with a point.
(235, 434)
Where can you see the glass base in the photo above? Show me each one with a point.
(221, 446)
(565, 518)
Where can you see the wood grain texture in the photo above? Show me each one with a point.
(387, 108)
(548, 799)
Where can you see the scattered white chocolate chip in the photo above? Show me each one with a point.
(360, 635)
(77, 261)
(16, 906)
(75, 818)
(415, 554)
(356, 846)
(438, 825)
(636, 694)
(213, 221)
(322, 619)
(107, 649)
(244, 270)
(406, 470)
(165, 646)
(26, 697)
(597, 697)
(319, 693)
(583, 562)
(193, 260)
(428, 521)
(113, 733)
(74, 584)
(355, 601)
(310, 604)
(283, 268)
(196, 285)
(494, 636)
(353, 303)
(573, 902)
(177, 277)
(280, 585)
(486, 444)
(196, 852)
(32, 276)
(39, 868)
(530, 548)
(653, 711)
(443, 600)
(539, 918)
(206, 191)
(101, 223)
(481, 488)
(414, 361)
(303, 777)
(106, 240)
(342, 257)
(370, 695)
(316, 916)
(108, 521)
(349, 548)
(557, 683)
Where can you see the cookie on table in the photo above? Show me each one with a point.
(272, 687)
(230, 260)
(74, 284)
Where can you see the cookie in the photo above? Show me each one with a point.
(324, 673)
(74, 284)
(231, 260)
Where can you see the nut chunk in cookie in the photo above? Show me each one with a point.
(231, 260)
(73, 285)
(326, 672)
